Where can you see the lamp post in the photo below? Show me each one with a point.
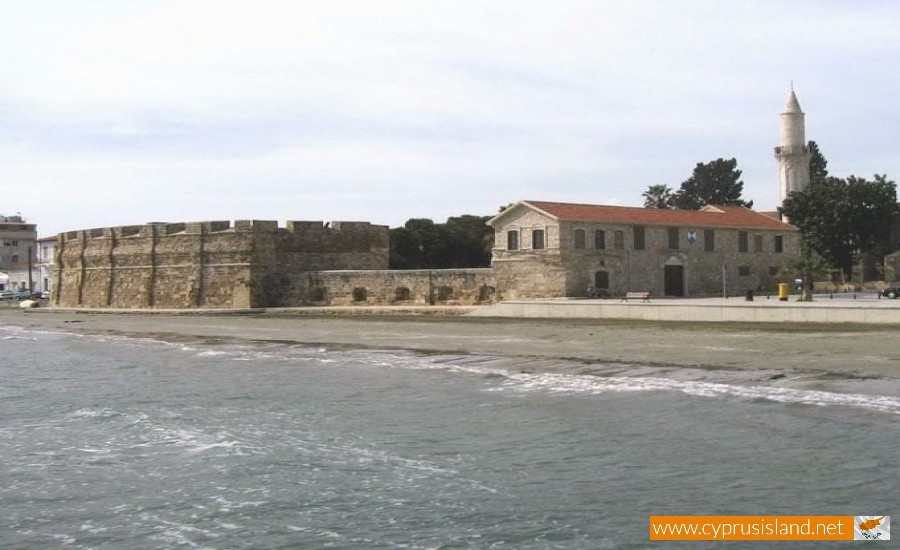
(724, 276)
(30, 270)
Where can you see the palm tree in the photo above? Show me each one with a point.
(658, 196)
(806, 267)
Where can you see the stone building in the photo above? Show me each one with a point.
(17, 249)
(546, 249)
(46, 250)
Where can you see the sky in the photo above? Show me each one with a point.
(123, 113)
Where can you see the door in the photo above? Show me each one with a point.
(674, 280)
(601, 280)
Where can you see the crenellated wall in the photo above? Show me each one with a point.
(205, 264)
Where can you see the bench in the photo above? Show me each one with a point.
(644, 296)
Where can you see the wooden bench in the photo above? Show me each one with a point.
(643, 296)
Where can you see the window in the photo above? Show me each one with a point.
(619, 237)
(743, 271)
(537, 239)
(779, 244)
(444, 293)
(743, 245)
(639, 237)
(512, 240)
(14, 258)
(579, 239)
(600, 239)
(401, 294)
(673, 238)
(601, 280)
(773, 270)
(757, 243)
(709, 240)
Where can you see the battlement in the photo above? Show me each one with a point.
(162, 229)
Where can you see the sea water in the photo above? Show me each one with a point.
(123, 442)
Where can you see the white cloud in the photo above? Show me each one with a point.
(122, 112)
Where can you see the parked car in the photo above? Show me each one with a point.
(8, 294)
(892, 292)
(45, 295)
(23, 295)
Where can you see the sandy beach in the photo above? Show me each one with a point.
(845, 349)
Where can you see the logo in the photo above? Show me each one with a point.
(871, 527)
(692, 236)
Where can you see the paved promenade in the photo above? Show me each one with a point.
(862, 307)
(866, 308)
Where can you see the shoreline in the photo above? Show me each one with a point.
(849, 350)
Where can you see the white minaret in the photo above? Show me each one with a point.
(793, 153)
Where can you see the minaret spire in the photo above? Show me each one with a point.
(793, 153)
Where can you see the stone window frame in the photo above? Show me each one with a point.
(639, 237)
(778, 244)
(757, 243)
(538, 238)
(743, 270)
(579, 238)
(512, 243)
(619, 239)
(674, 236)
(599, 239)
(709, 240)
(743, 241)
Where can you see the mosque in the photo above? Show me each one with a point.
(558, 249)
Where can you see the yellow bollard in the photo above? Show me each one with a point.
(784, 290)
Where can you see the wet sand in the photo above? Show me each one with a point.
(844, 349)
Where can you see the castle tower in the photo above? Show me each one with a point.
(793, 153)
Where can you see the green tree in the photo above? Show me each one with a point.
(658, 196)
(469, 241)
(463, 241)
(807, 267)
(817, 164)
(714, 182)
(843, 219)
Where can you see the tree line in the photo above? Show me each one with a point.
(463, 241)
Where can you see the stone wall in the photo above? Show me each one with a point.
(392, 287)
(205, 264)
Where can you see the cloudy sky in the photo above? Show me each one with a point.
(120, 113)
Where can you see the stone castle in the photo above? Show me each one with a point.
(541, 250)
(251, 264)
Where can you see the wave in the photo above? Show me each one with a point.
(522, 374)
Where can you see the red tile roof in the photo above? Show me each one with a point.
(714, 216)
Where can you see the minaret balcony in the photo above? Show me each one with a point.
(792, 150)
